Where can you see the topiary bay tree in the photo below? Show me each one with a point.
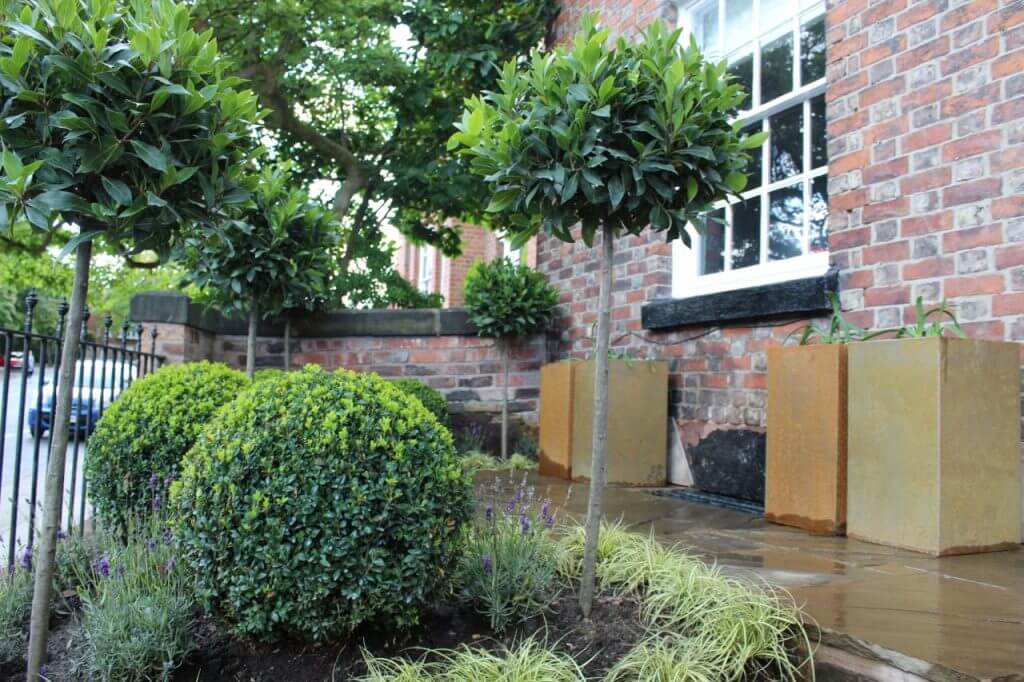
(121, 122)
(616, 138)
(275, 253)
(508, 301)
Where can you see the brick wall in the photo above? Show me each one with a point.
(926, 128)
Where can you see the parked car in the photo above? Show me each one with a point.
(93, 392)
(18, 361)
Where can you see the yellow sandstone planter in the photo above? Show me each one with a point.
(934, 431)
(637, 420)
(805, 464)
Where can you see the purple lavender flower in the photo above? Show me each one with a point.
(26, 559)
(102, 566)
(151, 544)
(156, 502)
(171, 563)
(510, 507)
(61, 535)
(44, 670)
(120, 571)
(168, 537)
(545, 507)
(489, 511)
(487, 564)
(154, 481)
(524, 522)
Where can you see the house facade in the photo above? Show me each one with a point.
(894, 170)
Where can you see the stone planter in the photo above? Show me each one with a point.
(805, 481)
(933, 456)
(637, 420)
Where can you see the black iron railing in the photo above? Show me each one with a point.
(28, 394)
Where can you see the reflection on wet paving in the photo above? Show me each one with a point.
(962, 614)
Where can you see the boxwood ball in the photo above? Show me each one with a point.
(318, 501)
(141, 438)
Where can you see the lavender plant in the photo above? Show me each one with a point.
(137, 604)
(15, 606)
(508, 568)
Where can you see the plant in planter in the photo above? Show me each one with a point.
(616, 139)
(508, 301)
(934, 430)
(276, 251)
(121, 121)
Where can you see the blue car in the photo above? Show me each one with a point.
(93, 393)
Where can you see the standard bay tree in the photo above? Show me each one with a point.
(120, 122)
(615, 139)
(275, 253)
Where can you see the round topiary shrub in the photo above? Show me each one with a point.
(431, 399)
(318, 501)
(141, 438)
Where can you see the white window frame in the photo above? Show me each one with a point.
(425, 271)
(686, 266)
(514, 255)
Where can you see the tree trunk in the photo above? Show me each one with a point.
(504, 400)
(53, 496)
(250, 343)
(600, 439)
(287, 344)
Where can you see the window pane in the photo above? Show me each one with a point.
(819, 146)
(746, 233)
(787, 141)
(742, 71)
(713, 252)
(739, 23)
(777, 68)
(786, 222)
(775, 12)
(707, 24)
(812, 50)
(753, 169)
(819, 214)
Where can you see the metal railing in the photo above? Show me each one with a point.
(28, 392)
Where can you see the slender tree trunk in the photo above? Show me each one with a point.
(287, 344)
(600, 439)
(53, 496)
(250, 343)
(504, 400)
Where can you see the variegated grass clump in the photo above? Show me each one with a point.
(529, 661)
(715, 626)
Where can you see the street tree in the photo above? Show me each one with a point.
(363, 93)
(615, 139)
(118, 122)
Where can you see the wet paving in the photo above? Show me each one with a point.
(940, 618)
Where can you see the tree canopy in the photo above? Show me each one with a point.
(363, 93)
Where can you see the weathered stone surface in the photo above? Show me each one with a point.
(729, 462)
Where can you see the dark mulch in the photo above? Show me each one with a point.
(613, 630)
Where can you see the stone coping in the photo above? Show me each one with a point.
(175, 308)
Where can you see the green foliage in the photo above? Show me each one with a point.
(276, 251)
(141, 438)
(318, 501)
(267, 374)
(505, 299)
(475, 461)
(508, 568)
(369, 105)
(732, 628)
(931, 322)
(117, 119)
(432, 399)
(628, 136)
(15, 606)
(528, 661)
(936, 321)
(137, 606)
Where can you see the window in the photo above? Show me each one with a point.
(777, 230)
(425, 281)
(514, 255)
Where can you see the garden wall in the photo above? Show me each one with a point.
(438, 347)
